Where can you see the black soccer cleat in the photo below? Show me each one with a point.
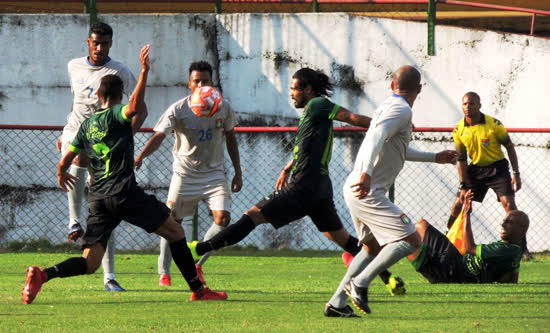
(359, 296)
(345, 312)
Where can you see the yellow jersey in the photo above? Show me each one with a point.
(482, 141)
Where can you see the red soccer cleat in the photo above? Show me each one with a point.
(347, 258)
(165, 280)
(199, 273)
(205, 294)
(35, 279)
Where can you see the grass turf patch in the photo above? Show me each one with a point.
(267, 294)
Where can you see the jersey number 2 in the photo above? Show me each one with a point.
(206, 135)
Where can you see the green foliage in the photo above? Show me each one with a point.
(266, 294)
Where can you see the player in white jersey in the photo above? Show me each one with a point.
(85, 75)
(198, 171)
(385, 230)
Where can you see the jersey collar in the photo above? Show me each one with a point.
(481, 120)
(401, 96)
(103, 64)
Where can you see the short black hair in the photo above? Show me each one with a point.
(102, 29)
(111, 86)
(472, 94)
(200, 66)
(318, 80)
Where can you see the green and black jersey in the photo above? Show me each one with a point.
(108, 141)
(313, 143)
(493, 261)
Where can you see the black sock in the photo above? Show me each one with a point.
(70, 267)
(352, 246)
(385, 276)
(184, 260)
(231, 235)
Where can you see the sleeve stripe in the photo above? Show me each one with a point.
(75, 149)
(335, 109)
(123, 110)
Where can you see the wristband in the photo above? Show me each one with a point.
(516, 173)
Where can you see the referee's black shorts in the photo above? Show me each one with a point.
(294, 202)
(135, 207)
(495, 176)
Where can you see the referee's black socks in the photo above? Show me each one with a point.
(184, 260)
(231, 235)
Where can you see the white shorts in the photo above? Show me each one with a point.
(376, 216)
(184, 195)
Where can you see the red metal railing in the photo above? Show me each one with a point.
(270, 129)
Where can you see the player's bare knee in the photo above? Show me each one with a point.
(256, 215)
(414, 239)
(222, 218)
(171, 230)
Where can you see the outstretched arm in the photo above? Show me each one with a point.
(233, 151)
(152, 145)
(137, 100)
(351, 118)
(469, 243)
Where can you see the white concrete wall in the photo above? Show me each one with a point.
(254, 57)
(257, 54)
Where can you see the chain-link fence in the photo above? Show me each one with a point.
(32, 206)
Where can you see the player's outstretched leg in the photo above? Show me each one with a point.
(184, 260)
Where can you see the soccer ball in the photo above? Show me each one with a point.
(205, 101)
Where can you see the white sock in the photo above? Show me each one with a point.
(108, 261)
(361, 260)
(76, 195)
(389, 255)
(212, 231)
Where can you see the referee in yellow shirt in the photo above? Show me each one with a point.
(481, 136)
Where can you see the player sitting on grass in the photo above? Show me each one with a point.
(114, 195)
(439, 261)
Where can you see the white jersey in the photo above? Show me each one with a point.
(386, 144)
(85, 79)
(199, 144)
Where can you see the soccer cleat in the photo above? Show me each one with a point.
(205, 294)
(35, 279)
(396, 285)
(345, 312)
(347, 258)
(193, 247)
(112, 285)
(165, 280)
(75, 232)
(199, 273)
(359, 296)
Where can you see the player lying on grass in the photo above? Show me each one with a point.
(439, 261)
(107, 139)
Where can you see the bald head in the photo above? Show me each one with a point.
(406, 79)
(514, 226)
(472, 95)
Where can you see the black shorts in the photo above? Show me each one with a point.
(294, 202)
(136, 207)
(495, 176)
(439, 261)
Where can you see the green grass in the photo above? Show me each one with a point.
(266, 294)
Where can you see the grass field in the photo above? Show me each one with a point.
(266, 294)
